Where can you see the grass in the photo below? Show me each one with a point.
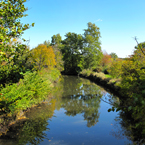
(105, 77)
(108, 76)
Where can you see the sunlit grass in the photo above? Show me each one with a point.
(108, 76)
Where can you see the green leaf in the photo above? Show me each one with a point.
(33, 24)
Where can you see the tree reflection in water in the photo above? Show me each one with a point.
(75, 95)
(83, 97)
(129, 129)
(32, 130)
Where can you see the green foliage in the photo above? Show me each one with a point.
(113, 55)
(56, 39)
(31, 90)
(11, 27)
(115, 70)
(81, 51)
(92, 53)
(132, 88)
(58, 57)
(71, 51)
(86, 72)
(12, 72)
(108, 76)
(47, 43)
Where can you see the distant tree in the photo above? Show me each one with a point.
(56, 39)
(43, 56)
(106, 59)
(58, 57)
(140, 50)
(57, 45)
(47, 43)
(113, 55)
(115, 69)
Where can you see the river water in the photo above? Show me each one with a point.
(76, 115)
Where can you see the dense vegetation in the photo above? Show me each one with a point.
(80, 51)
(129, 76)
(27, 76)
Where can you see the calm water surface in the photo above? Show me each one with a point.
(75, 116)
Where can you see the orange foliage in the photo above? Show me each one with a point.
(106, 60)
(43, 56)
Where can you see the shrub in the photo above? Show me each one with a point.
(31, 90)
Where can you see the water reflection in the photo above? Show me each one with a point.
(31, 131)
(75, 100)
(81, 97)
(129, 129)
(87, 105)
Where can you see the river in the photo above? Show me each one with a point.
(76, 115)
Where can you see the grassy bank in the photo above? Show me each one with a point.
(35, 88)
(102, 79)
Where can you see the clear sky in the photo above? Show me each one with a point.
(119, 21)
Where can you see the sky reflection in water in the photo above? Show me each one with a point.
(76, 116)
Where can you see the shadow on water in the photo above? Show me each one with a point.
(78, 98)
(126, 126)
(32, 130)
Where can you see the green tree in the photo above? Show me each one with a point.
(57, 45)
(56, 39)
(11, 27)
(71, 50)
(133, 89)
(92, 53)
(115, 70)
(58, 57)
(47, 43)
(113, 55)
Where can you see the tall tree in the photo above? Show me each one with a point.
(57, 45)
(58, 57)
(11, 27)
(92, 49)
(72, 47)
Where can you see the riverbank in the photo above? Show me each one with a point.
(101, 79)
(16, 99)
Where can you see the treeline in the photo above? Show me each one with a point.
(79, 51)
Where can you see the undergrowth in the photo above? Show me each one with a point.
(32, 90)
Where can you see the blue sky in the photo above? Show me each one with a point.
(119, 21)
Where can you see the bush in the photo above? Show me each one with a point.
(31, 90)
(86, 72)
